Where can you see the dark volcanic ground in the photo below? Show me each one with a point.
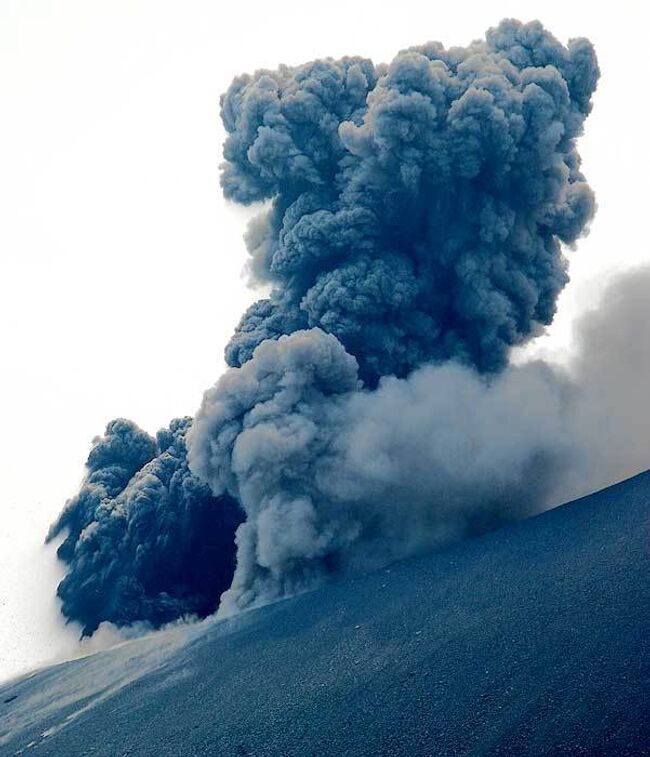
(531, 640)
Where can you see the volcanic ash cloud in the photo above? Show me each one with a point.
(413, 235)
(145, 541)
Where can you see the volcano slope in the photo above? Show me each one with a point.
(530, 640)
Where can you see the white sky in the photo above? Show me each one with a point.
(120, 263)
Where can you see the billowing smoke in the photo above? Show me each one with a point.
(335, 479)
(417, 208)
(146, 541)
(413, 237)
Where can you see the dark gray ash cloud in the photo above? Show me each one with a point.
(417, 209)
(145, 540)
(336, 479)
(414, 235)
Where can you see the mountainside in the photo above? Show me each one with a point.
(531, 640)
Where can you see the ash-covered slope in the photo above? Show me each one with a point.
(530, 640)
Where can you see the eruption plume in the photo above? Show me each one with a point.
(146, 542)
(412, 235)
(417, 214)
(417, 208)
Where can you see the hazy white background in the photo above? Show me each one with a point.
(120, 263)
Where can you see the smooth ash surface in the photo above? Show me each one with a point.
(530, 640)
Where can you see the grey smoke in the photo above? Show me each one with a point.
(414, 235)
(417, 209)
(145, 542)
(336, 479)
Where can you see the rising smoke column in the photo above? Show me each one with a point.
(336, 479)
(417, 209)
(417, 214)
(146, 541)
(412, 236)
